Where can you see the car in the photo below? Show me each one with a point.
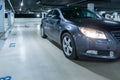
(81, 32)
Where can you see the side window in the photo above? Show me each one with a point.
(56, 14)
(49, 14)
(89, 14)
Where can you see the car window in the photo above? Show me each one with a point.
(78, 13)
(89, 14)
(72, 14)
(56, 14)
(50, 13)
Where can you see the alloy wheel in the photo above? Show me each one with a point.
(67, 45)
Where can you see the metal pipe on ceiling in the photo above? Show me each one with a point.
(11, 5)
(73, 3)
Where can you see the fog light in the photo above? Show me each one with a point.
(93, 52)
(111, 53)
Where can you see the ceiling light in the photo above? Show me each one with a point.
(21, 4)
(38, 15)
(38, 2)
(20, 9)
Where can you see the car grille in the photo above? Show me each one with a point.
(103, 53)
(116, 35)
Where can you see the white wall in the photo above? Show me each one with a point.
(27, 21)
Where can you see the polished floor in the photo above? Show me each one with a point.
(26, 56)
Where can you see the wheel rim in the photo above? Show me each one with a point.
(67, 45)
(42, 32)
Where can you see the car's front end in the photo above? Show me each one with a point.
(99, 42)
(95, 36)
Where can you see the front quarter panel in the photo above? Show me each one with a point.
(70, 28)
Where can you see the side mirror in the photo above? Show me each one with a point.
(49, 15)
(55, 17)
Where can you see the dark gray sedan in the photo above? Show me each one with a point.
(81, 32)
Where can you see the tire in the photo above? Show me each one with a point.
(68, 46)
(42, 32)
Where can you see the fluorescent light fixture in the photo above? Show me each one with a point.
(38, 2)
(21, 4)
(20, 9)
(38, 15)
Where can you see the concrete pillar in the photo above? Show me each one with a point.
(9, 25)
(43, 15)
(10, 19)
(90, 6)
(2, 16)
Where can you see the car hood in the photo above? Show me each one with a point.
(108, 25)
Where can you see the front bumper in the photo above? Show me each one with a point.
(106, 49)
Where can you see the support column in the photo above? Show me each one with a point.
(9, 24)
(10, 19)
(43, 15)
(90, 6)
(2, 16)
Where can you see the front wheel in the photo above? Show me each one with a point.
(68, 46)
(42, 32)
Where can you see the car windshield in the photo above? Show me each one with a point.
(78, 13)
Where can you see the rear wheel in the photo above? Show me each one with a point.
(68, 46)
(42, 32)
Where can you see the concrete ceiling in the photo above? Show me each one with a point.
(37, 5)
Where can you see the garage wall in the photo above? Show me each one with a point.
(27, 21)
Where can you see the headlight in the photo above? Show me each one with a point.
(93, 33)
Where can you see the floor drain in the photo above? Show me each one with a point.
(14, 34)
(12, 45)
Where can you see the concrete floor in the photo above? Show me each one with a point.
(26, 56)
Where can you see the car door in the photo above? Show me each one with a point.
(47, 23)
(55, 25)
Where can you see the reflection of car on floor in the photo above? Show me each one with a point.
(81, 32)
